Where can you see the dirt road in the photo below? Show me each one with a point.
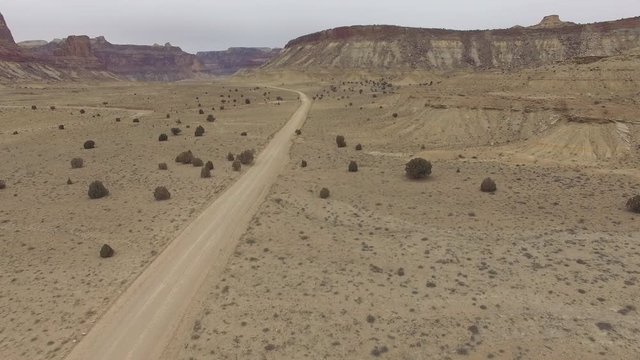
(144, 318)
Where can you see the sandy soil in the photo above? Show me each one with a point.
(546, 268)
(53, 285)
(144, 318)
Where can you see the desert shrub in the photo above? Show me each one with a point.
(201, 112)
(211, 118)
(303, 164)
(97, 190)
(77, 163)
(176, 131)
(298, 132)
(161, 193)
(395, 115)
(633, 204)
(205, 172)
(247, 101)
(244, 133)
(488, 185)
(69, 182)
(60, 127)
(168, 116)
(209, 165)
(82, 111)
(230, 157)
(3, 184)
(324, 193)
(246, 157)
(106, 251)
(197, 162)
(358, 147)
(33, 107)
(117, 119)
(163, 166)
(353, 166)
(236, 165)
(185, 157)
(340, 141)
(418, 168)
(136, 120)
(199, 131)
(163, 137)
(89, 144)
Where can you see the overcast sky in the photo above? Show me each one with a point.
(213, 25)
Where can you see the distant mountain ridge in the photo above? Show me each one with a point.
(229, 61)
(384, 47)
(80, 57)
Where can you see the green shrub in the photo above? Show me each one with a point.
(418, 168)
(324, 193)
(197, 162)
(185, 157)
(77, 163)
(236, 165)
(97, 190)
(633, 204)
(246, 157)
(161, 193)
(488, 185)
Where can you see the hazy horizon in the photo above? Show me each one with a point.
(196, 25)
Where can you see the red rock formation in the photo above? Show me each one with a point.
(8, 48)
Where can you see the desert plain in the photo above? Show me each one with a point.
(385, 267)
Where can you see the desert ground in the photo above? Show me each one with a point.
(53, 284)
(545, 268)
(386, 267)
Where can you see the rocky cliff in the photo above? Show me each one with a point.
(137, 62)
(230, 61)
(381, 48)
(80, 56)
(8, 48)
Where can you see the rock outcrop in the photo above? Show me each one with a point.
(551, 22)
(79, 57)
(389, 48)
(8, 48)
(229, 61)
(135, 62)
